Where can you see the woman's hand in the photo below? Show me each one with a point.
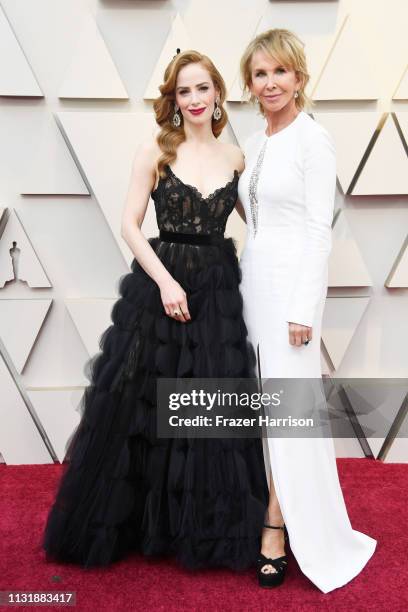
(174, 300)
(299, 334)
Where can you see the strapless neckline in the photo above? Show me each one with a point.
(213, 194)
(181, 207)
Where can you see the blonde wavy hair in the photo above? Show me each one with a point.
(285, 47)
(170, 137)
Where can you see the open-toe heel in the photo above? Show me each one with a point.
(272, 579)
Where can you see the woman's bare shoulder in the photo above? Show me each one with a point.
(146, 158)
(149, 149)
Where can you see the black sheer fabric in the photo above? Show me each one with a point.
(182, 208)
(123, 489)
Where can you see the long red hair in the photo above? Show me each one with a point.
(170, 137)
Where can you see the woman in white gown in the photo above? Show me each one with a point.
(287, 191)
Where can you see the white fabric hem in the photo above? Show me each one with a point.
(328, 586)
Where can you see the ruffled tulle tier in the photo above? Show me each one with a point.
(124, 489)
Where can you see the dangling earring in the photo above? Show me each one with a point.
(217, 111)
(176, 117)
(296, 94)
(256, 100)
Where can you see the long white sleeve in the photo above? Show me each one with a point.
(319, 195)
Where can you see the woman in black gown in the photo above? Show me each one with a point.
(179, 315)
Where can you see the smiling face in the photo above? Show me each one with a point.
(195, 93)
(272, 83)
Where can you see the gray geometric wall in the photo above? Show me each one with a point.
(76, 82)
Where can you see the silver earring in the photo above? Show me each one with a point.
(256, 100)
(217, 111)
(296, 94)
(176, 117)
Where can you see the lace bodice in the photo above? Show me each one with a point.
(182, 208)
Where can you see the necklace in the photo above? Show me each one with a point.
(253, 186)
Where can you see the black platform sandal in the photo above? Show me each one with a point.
(272, 579)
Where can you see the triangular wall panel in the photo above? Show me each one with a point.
(91, 72)
(341, 318)
(376, 404)
(235, 93)
(20, 440)
(348, 74)
(51, 170)
(244, 122)
(325, 364)
(104, 145)
(26, 267)
(402, 89)
(20, 324)
(16, 76)
(178, 38)
(57, 410)
(2, 215)
(355, 127)
(398, 452)
(318, 41)
(398, 276)
(379, 176)
(402, 120)
(346, 265)
(91, 317)
(221, 32)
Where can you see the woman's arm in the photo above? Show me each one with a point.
(319, 189)
(240, 210)
(239, 164)
(142, 180)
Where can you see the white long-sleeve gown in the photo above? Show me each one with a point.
(284, 278)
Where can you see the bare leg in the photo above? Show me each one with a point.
(273, 540)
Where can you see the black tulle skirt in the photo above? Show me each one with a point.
(124, 489)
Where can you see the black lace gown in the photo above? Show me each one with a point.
(124, 489)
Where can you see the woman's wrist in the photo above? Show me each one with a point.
(163, 279)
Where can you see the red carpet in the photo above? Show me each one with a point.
(376, 498)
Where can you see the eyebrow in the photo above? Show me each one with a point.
(186, 86)
(262, 67)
